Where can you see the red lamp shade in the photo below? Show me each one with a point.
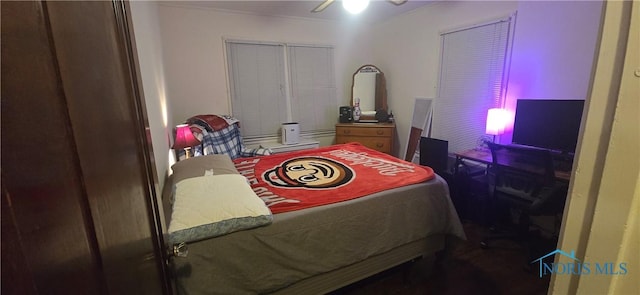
(184, 138)
(496, 121)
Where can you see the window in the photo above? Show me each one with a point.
(473, 74)
(274, 83)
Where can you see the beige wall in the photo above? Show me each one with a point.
(195, 63)
(407, 49)
(552, 56)
(553, 51)
(147, 34)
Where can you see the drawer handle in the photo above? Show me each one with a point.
(379, 144)
(347, 131)
(380, 132)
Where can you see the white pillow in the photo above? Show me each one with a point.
(210, 206)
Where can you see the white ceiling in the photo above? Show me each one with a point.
(376, 11)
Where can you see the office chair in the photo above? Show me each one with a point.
(435, 154)
(524, 180)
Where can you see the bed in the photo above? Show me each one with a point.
(306, 247)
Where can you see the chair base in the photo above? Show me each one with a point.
(533, 243)
(495, 234)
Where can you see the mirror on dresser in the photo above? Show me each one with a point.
(375, 132)
(369, 88)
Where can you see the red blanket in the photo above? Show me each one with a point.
(309, 178)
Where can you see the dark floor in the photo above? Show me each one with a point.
(468, 269)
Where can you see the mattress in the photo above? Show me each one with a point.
(303, 244)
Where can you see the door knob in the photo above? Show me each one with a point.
(179, 250)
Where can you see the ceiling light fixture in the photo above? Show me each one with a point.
(355, 6)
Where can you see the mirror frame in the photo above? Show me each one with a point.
(381, 89)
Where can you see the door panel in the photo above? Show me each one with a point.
(75, 162)
(39, 168)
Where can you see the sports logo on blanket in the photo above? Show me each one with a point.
(309, 178)
(309, 172)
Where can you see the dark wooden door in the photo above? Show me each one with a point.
(79, 214)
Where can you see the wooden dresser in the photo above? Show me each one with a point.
(378, 136)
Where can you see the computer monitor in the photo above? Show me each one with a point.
(548, 123)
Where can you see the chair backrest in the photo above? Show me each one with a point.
(434, 153)
(524, 176)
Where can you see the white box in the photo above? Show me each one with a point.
(290, 133)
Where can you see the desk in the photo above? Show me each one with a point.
(484, 156)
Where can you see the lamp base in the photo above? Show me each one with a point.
(483, 142)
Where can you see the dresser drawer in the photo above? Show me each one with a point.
(363, 131)
(378, 136)
(378, 144)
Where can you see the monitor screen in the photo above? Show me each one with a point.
(549, 124)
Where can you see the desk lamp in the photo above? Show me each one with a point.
(496, 121)
(184, 139)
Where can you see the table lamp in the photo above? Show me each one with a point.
(184, 139)
(496, 121)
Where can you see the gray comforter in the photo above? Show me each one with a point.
(305, 243)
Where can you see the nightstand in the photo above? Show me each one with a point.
(377, 136)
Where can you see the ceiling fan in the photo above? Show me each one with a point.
(326, 3)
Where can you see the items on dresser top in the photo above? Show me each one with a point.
(377, 136)
(346, 114)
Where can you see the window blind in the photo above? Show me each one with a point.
(258, 97)
(276, 83)
(472, 80)
(313, 90)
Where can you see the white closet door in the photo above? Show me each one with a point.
(472, 80)
(258, 90)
